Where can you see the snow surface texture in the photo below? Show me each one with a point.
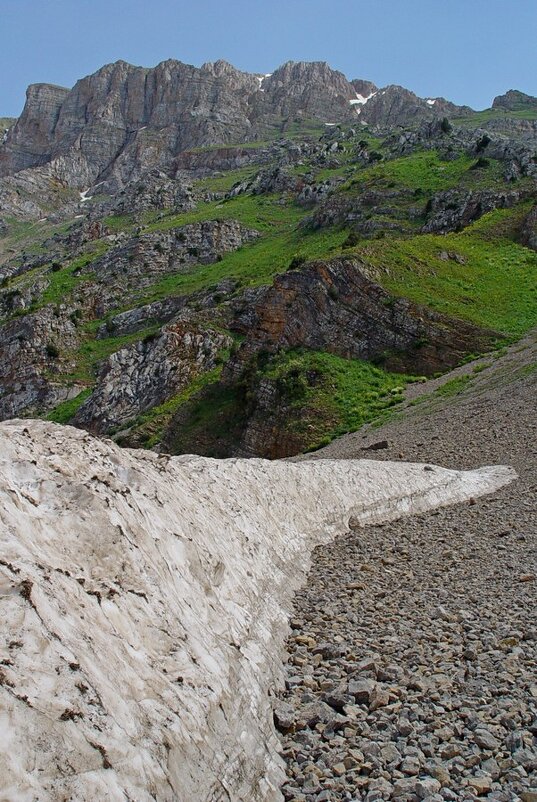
(360, 100)
(143, 602)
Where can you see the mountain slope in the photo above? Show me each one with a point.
(221, 301)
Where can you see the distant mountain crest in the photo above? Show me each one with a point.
(122, 120)
(513, 100)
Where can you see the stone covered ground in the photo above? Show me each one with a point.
(412, 670)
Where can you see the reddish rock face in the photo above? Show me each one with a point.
(337, 306)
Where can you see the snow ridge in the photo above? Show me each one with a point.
(144, 602)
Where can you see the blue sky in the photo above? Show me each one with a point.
(465, 50)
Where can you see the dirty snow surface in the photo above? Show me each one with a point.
(143, 602)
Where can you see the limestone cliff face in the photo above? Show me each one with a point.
(131, 118)
(396, 105)
(309, 89)
(514, 100)
(29, 141)
(124, 120)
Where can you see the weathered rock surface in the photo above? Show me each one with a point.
(333, 306)
(141, 259)
(514, 100)
(31, 348)
(454, 209)
(153, 190)
(147, 373)
(396, 105)
(337, 306)
(529, 230)
(143, 601)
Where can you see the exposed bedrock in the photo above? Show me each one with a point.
(337, 306)
(29, 351)
(144, 602)
(147, 373)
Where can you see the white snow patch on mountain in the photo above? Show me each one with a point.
(360, 100)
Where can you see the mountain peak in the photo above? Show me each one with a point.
(514, 100)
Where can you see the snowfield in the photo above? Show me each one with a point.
(144, 602)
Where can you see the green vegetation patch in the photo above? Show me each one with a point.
(333, 395)
(63, 280)
(27, 237)
(149, 427)
(65, 411)
(487, 115)
(426, 172)
(262, 212)
(495, 286)
(254, 264)
(226, 181)
(92, 351)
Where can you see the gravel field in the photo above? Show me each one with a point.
(412, 669)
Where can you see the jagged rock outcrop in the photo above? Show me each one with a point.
(368, 211)
(147, 373)
(28, 142)
(153, 190)
(396, 105)
(308, 89)
(337, 306)
(110, 117)
(528, 234)
(514, 100)
(175, 307)
(31, 347)
(144, 602)
(46, 191)
(132, 264)
(143, 258)
(39, 348)
(454, 209)
(275, 180)
(364, 88)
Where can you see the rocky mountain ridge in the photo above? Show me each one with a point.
(123, 119)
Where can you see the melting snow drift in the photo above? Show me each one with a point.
(360, 100)
(143, 602)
